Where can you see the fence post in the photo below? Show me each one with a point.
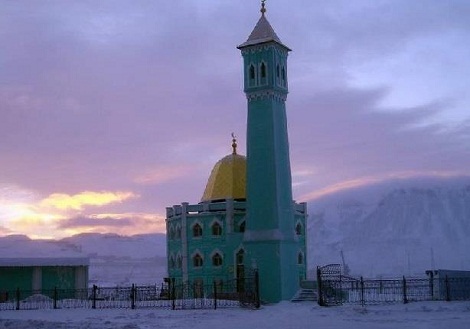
(55, 298)
(447, 289)
(340, 290)
(95, 288)
(405, 298)
(173, 294)
(215, 295)
(319, 283)
(431, 284)
(362, 292)
(257, 301)
(133, 296)
(18, 298)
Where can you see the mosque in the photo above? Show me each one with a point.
(246, 218)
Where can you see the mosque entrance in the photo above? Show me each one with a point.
(240, 271)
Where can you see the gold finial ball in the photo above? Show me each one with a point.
(263, 8)
(234, 144)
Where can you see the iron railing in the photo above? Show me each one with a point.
(337, 289)
(169, 295)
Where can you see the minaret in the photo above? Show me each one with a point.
(269, 237)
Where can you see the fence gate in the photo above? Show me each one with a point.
(329, 285)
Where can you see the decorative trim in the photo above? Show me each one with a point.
(197, 221)
(216, 220)
(197, 252)
(264, 47)
(217, 251)
(266, 94)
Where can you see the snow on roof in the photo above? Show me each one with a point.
(22, 247)
(44, 261)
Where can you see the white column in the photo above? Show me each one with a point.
(37, 279)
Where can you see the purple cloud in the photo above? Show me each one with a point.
(141, 97)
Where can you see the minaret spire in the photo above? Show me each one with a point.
(263, 8)
(234, 144)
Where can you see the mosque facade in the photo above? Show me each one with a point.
(246, 219)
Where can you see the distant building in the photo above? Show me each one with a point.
(450, 284)
(246, 218)
(37, 275)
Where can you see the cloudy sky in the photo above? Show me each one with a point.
(112, 110)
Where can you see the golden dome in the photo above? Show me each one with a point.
(228, 178)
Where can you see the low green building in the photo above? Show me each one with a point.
(38, 275)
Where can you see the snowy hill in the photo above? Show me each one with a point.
(398, 229)
(23, 247)
(123, 260)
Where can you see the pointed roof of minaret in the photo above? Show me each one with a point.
(262, 33)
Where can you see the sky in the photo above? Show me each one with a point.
(111, 111)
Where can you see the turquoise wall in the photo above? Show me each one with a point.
(12, 278)
(231, 241)
(62, 277)
(42, 278)
(269, 191)
(206, 245)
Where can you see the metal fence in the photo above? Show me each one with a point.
(169, 295)
(337, 289)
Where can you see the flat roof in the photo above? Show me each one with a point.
(44, 261)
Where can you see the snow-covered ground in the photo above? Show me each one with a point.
(453, 315)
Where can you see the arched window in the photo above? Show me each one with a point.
(172, 262)
(217, 260)
(172, 233)
(242, 227)
(298, 229)
(252, 72)
(197, 230)
(178, 232)
(240, 256)
(216, 229)
(197, 261)
(263, 70)
(278, 71)
(179, 261)
(300, 258)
